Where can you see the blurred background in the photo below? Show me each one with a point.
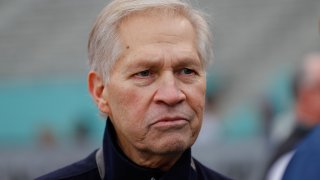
(48, 120)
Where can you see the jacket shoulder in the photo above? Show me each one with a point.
(207, 174)
(83, 169)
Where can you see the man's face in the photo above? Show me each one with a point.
(156, 92)
(311, 89)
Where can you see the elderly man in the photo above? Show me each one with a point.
(148, 78)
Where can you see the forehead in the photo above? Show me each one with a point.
(148, 35)
(149, 27)
(312, 68)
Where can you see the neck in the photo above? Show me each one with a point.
(149, 159)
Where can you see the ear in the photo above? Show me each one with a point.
(98, 91)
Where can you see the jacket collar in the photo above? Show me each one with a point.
(118, 166)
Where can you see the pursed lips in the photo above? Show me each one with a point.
(171, 120)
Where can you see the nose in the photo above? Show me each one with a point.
(168, 92)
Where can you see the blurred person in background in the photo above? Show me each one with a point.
(47, 138)
(306, 90)
(148, 63)
(305, 163)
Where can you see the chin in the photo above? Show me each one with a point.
(172, 145)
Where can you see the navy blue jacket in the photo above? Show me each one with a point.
(110, 163)
(305, 163)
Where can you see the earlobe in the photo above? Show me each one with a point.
(98, 91)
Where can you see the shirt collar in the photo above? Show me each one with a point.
(118, 166)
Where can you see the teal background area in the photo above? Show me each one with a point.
(27, 107)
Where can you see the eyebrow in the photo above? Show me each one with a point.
(187, 61)
(157, 61)
(142, 62)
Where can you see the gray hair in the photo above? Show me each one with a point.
(104, 46)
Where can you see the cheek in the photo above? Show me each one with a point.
(196, 97)
(124, 100)
(313, 99)
(196, 100)
(127, 112)
(316, 102)
(129, 103)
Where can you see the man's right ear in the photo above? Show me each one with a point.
(98, 91)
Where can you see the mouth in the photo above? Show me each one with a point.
(170, 122)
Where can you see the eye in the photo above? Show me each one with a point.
(144, 77)
(144, 73)
(187, 71)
